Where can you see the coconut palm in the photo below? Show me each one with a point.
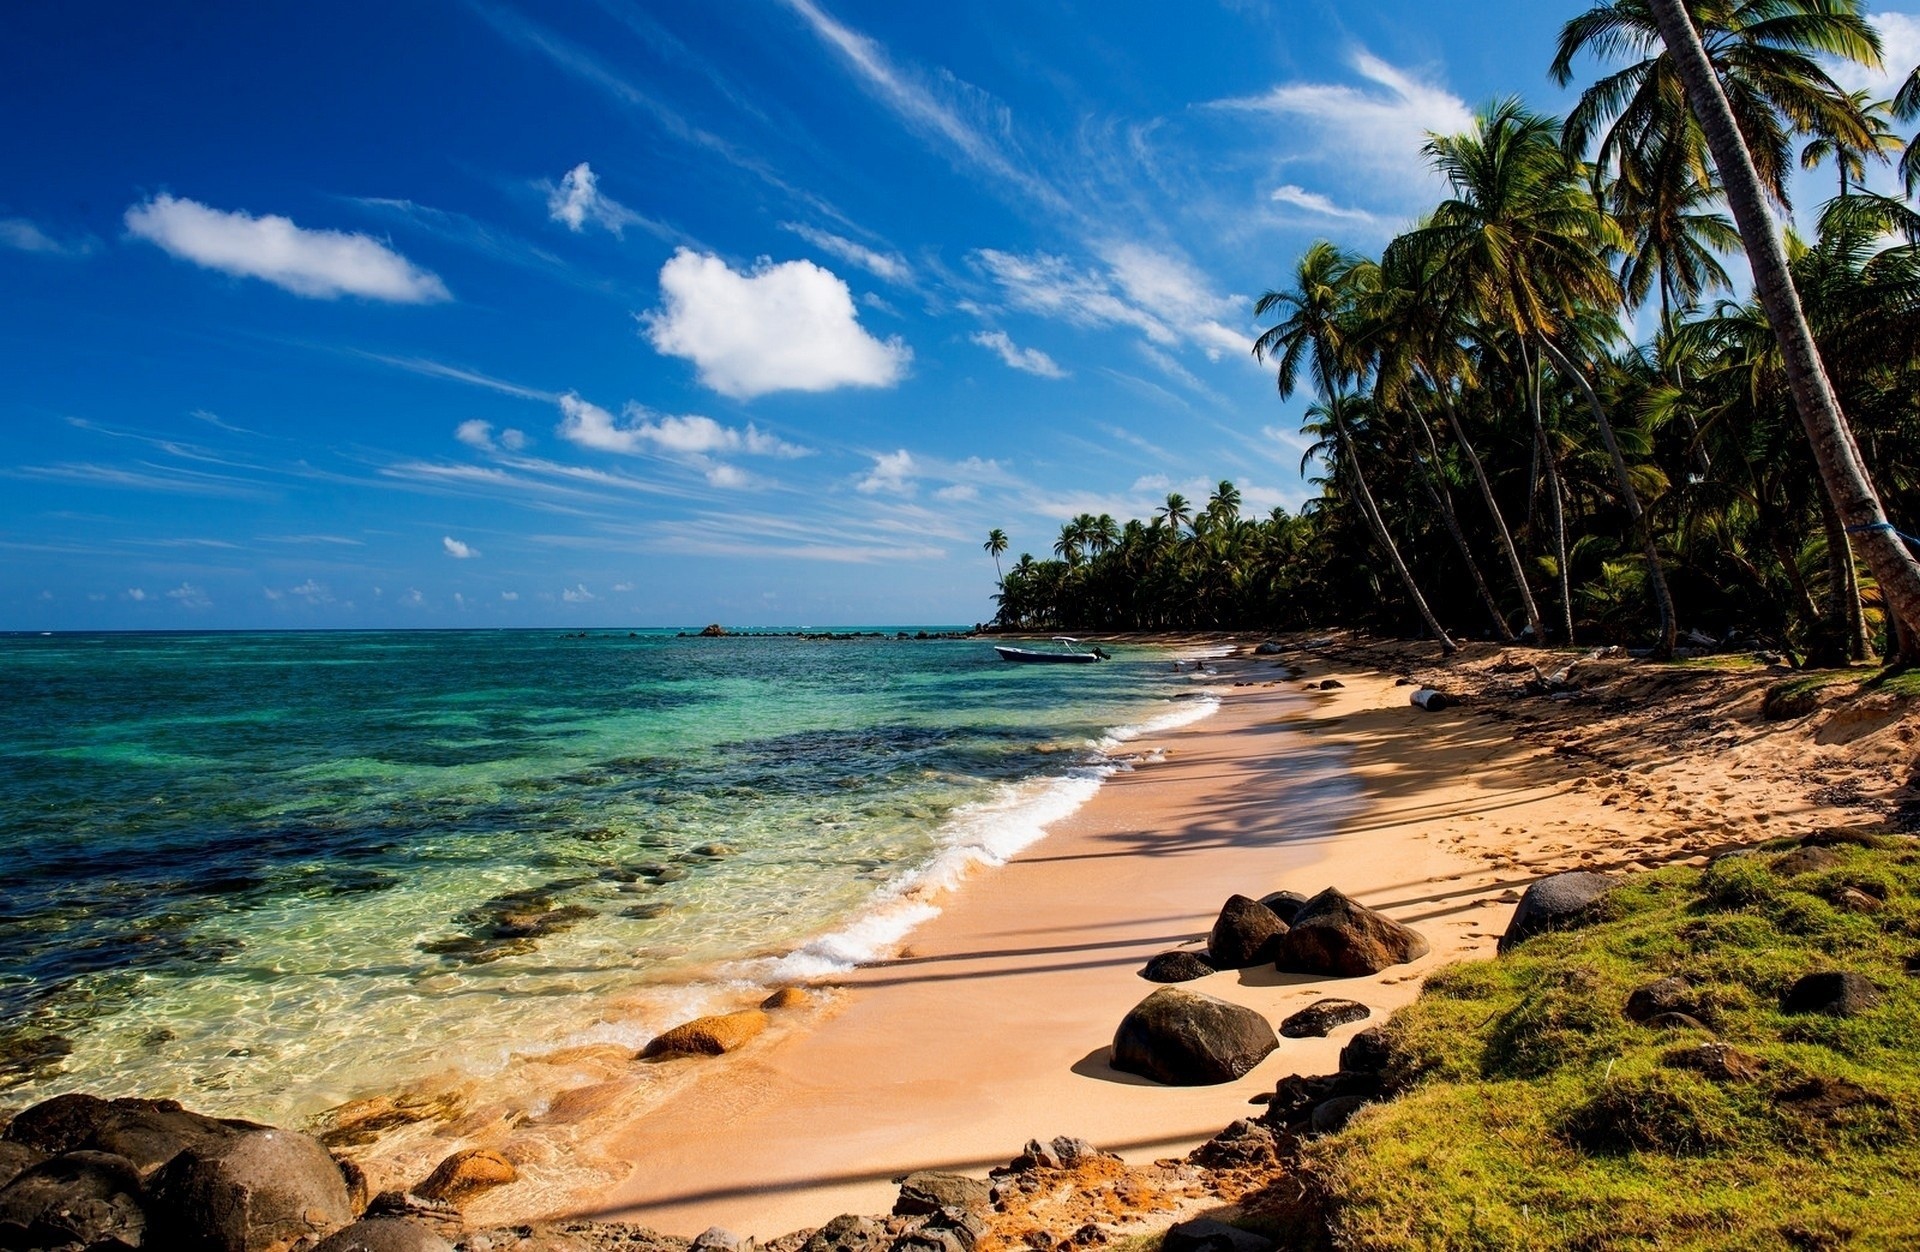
(995, 545)
(1850, 152)
(1906, 107)
(1177, 511)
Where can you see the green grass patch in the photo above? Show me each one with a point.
(1536, 1115)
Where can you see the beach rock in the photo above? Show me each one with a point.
(255, 1191)
(1854, 900)
(83, 1199)
(1807, 860)
(147, 1132)
(1668, 995)
(1835, 993)
(1285, 905)
(787, 998)
(1554, 903)
(847, 1233)
(1187, 1039)
(708, 1036)
(443, 1219)
(715, 851)
(1242, 1145)
(1244, 934)
(1320, 1018)
(1331, 684)
(466, 1174)
(359, 1189)
(1332, 1115)
(1176, 967)
(1268, 647)
(1367, 1052)
(928, 1191)
(1719, 1061)
(1206, 1235)
(716, 1239)
(384, 1234)
(949, 1230)
(1332, 935)
(1296, 1096)
(16, 1159)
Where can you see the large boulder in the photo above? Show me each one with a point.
(147, 1132)
(16, 1159)
(1187, 1039)
(466, 1174)
(1286, 905)
(708, 1036)
(255, 1191)
(1176, 967)
(928, 1191)
(1244, 934)
(384, 1234)
(80, 1199)
(1332, 935)
(1555, 903)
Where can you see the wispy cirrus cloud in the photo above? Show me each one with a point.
(23, 235)
(883, 265)
(1315, 203)
(1026, 360)
(318, 264)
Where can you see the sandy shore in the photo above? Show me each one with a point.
(991, 1026)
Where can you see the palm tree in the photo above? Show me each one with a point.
(1848, 153)
(1842, 470)
(1314, 329)
(1906, 107)
(996, 544)
(1177, 511)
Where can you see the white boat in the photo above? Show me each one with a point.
(1036, 656)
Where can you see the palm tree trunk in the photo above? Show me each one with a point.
(1437, 489)
(1382, 536)
(1556, 495)
(1514, 563)
(1846, 623)
(1656, 573)
(1842, 470)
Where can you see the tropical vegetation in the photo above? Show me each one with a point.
(1499, 455)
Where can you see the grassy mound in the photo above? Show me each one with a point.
(1538, 1115)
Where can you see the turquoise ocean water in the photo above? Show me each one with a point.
(264, 873)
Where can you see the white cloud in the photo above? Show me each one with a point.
(577, 594)
(24, 236)
(313, 591)
(1314, 202)
(1051, 286)
(509, 596)
(1158, 294)
(720, 474)
(692, 437)
(190, 597)
(413, 598)
(623, 586)
(319, 263)
(880, 264)
(1900, 52)
(958, 492)
(578, 200)
(892, 472)
(136, 594)
(457, 550)
(475, 434)
(786, 327)
(1027, 360)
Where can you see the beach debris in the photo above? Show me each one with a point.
(927, 1191)
(466, 1174)
(1187, 1039)
(1555, 902)
(258, 1190)
(1203, 1234)
(384, 1234)
(1244, 934)
(1322, 1017)
(78, 1199)
(1177, 966)
(1667, 995)
(1336, 936)
(788, 998)
(1429, 699)
(707, 1036)
(1836, 993)
(1286, 905)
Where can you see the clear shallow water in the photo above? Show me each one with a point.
(268, 872)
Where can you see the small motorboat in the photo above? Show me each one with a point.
(1033, 656)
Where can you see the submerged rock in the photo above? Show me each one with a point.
(1187, 1039)
(1333, 935)
(1555, 903)
(466, 1174)
(1244, 934)
(788, 998)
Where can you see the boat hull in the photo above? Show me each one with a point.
(1028, 656)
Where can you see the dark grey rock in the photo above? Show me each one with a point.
(1177, 967)
(16, 1159)
(928, 1191)
(1668, 995)
(1334, 1114)
(83, 1199)
(1367, 1052)
(1206, 1235)
(384, 1234)
(254, 1190)
(1555, 903)
(1242, 1145)
(1836, 993)
(1187, 1039)
(1320, 1018)
(1285, 905)
(1244, 934)
(147, 1132)
(1333, 935)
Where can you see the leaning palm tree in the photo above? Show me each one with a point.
(996, 544)
(1842, 471)
(1314, 330)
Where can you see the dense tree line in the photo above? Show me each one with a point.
(1497, 456)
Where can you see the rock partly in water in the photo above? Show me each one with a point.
(708, 1036)
(1322, 1017)
(1206, 1235)
(466, 1174)
(1836, 993)
(1556, 902)
(147, 1132)
(1332, 935)
(80, 1199)
(787, 998)
(928, 1191)
(1187, 1039)
(384, 1234)
(1176, 967)
(1244, 934)
(1285, 905)
(256, 1191)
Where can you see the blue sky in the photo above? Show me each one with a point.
(602, 312)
